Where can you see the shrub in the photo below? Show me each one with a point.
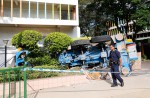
(27, 40)
(31, 74)
(45, 60)
(38, 74)
(56, 42)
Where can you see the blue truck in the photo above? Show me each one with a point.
(95, 52)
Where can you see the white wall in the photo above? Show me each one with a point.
(36, 21)
(8, 32)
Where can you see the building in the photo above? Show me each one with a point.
(143, 38)
(45, 16)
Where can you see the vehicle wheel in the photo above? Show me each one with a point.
(80, 42)
(99, 39)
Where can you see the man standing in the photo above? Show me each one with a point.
(115, 62)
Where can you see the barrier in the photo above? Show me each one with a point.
(11, 84)
(22, 86)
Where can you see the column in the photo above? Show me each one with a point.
(45, 10)
(77, 13)
(37, 10)
(68, 12)
(11, 13)
(20, 8)
(29, 9)
(2, 8)
(53, 11)
(60, 11)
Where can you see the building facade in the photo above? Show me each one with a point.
(45, 16)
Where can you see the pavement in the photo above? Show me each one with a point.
(136, 86)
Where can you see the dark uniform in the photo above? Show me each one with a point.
(114, 61)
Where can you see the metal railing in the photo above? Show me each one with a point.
(13, 83)
(3, 63)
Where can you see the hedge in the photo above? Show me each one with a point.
(31, 74)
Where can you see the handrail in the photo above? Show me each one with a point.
(1, 65)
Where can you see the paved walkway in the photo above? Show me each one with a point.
(136, 86)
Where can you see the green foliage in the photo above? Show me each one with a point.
(44, 60)
(16, 40)
(15, 74)
(94, 15)
(142, 17)
(38, 74)
(92, 19)
(27, 40)
(56, 42)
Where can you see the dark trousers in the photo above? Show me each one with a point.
(115, 74)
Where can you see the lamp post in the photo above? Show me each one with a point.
(5, 41)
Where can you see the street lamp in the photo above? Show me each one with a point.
(5, 41)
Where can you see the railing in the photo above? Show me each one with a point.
(3, 63)
(11, 84)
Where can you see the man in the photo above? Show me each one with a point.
(115, 62)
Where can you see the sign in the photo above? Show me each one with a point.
(132, 52)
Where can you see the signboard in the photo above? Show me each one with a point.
(132, 52)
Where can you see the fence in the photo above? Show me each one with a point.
(25, 82)
(13, 83)
(40, 79)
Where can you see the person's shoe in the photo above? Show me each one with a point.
(114, 85)
(122, 84)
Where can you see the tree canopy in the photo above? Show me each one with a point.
(56, 42)
(95, 13)
(27, 40)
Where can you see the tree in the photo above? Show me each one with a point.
(86, 20)
(121, 9)
(56, 42)
(99, 11)
(27, 40)
(142, 16)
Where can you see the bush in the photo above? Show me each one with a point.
(27, 40)
(45, 60)
(38, 74)
(56, 42)
(31, 74)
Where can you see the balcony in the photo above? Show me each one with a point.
(38, 13)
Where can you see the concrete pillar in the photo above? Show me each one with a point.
(2, 8)
(77, 13)
(20, 8)
(29, 9)
(37, 9)
(76, 32)
(45, 10)
(68, 12)
(11, 13)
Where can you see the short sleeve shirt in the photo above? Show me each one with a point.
(115, 55)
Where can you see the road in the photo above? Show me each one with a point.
(136, 86)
